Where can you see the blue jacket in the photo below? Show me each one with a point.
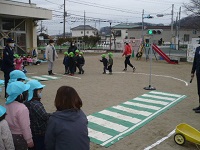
(66, 61)
(67, 130)
(196, 62)
(8, 59)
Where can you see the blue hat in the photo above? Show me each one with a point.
(2, 110)
(14, 89)
(17, 74)
(10, 40)
(34, 84)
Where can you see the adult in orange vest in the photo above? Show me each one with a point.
(127, 53)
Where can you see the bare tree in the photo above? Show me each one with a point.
(193, 7)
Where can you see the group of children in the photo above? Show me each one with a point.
(22, 61)
(23, 119)
(107, 63)
(72, 60)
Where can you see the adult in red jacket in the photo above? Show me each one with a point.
(127, 53)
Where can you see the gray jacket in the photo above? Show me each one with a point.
(49, 53)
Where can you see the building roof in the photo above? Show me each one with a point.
(81, 27)
(125, 26)
(23, 10)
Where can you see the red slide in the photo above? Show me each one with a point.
(163, 55)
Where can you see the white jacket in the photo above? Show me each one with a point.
(6, 140)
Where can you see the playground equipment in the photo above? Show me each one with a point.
(185, 132)
(163, 55)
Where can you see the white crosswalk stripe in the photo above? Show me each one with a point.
(98, 135)
(142, 105)
(150, 101)
(159, 97)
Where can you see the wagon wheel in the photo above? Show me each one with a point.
(179, 139)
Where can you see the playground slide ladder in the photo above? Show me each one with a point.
(163, 55)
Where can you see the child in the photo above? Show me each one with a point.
(105, 62)
(67, 127)
(81, 62)
(6, 140)
(66, 62)
(29, 60)
(110, 63)
(36, 61)
(18, 62)
(37, 113)
(76, 59)
(72, 64)
(18, 115)
(24, 60)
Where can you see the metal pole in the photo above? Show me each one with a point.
(179, 26)
(110, 35)
(143, 26)
(29, 1)
(64, 21)
(84, 25)
(172, 20)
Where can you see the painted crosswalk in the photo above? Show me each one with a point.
(112, 124)
(44, 77)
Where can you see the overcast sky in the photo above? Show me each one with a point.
(116, 11)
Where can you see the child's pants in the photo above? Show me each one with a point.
(110, 68)
(104, 69)
(19, 142)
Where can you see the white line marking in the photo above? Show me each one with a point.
(159, 97)
(119, 135)
(73, 77)
(150, 101)
(133, 111)
(39, 78)
(142, 105)
(120, 116)
(98, 135)
(51, 77)
(107, 124)
(166, 94)
(160, 141)
(186, 83)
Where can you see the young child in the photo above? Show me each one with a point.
(24, 60)
(110, 62)
(29, 60)
(105, 62)
(72, 63)
(18, 115)
(66, 62)
(37, 113)
(18, 62)
(76, 57)
(36, 61)
(81, 62)
(6, 140)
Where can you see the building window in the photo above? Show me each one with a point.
(7, 24)
(186, 37)
(81, 32)
(87, 32)
(20, 23)
(194, 31)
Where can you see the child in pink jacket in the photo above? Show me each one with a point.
(18, 62)
(18, 115)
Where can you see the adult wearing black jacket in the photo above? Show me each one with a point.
(8, 61)
(72, 48)
(196, 67)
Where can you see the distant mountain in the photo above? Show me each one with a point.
(190, 22)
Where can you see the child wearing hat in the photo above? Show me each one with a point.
(18, 115)
(72, 63)
(37, 113)
(17, 75)
(66, 62)
(105, 62)
(110, 62)
(18, 62)
(6, 140)
(81, 62)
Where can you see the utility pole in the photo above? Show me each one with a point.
(179, 26)
(29, 1)
(172, 23)
(143, 26)
(84, 24)
(110, 34)
(41, 28)
(64, 21)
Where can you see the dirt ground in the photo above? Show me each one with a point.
(99, 91)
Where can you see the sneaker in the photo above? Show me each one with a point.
(125, 69)
(197, 111)
(104, 73)
(134, 69)
(197, 108)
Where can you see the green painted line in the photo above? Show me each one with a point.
(122, 110)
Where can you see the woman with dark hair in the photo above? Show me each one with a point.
(18, 115)
(6, 140)
(67, 127)
(37, 113)
(72, 48)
